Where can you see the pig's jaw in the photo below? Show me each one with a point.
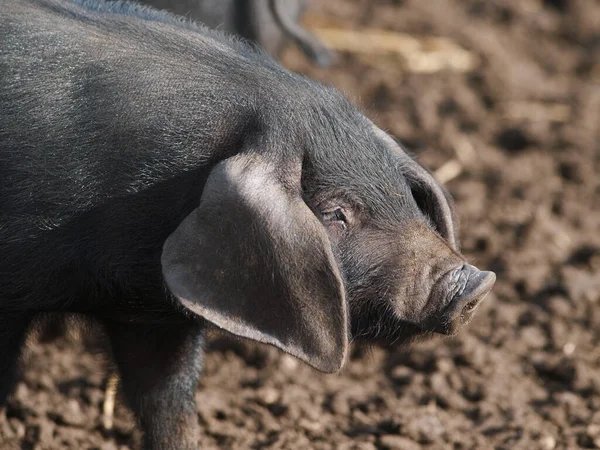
(452, 303)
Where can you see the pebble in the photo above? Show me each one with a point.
(17, 427)
(268, 395)
(288, 363)
(445, 365)
(339, 404)
(402, 375)
(393, 442)
(109, 446)
(425, 429)
(71, 414)
(569, 348)
(46, 382)
(548, 442)
(593, 430)
(534, 337)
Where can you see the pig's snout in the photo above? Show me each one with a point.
(461, 290)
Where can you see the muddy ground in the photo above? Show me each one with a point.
(522, 135)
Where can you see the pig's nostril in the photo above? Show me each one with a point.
(471, 287)
(478, 285)
(465, 288)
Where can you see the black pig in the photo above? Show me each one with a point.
(159, 177)
(268, 22)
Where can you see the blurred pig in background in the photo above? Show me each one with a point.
(269, 23)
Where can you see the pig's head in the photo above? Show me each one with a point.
(309, 239)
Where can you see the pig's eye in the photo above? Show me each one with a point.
(335, 217)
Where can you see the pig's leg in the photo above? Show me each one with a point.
(309, 44)
(159, 367)
(13, 330)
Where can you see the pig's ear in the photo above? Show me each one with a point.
(435, 202)
(254, 260)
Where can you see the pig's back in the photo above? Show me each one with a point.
(106, 136)
(96, 105)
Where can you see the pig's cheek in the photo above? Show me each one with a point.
(409, 308)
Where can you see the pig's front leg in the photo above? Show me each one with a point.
(13, 330)
(159, 367)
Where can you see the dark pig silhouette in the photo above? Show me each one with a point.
(161, 178)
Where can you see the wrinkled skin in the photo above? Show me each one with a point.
(159, 178)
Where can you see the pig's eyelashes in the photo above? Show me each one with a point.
(336, 218)
(334, 215)
(338, 215)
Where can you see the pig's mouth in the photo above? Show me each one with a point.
(460, 291)
(452, 303)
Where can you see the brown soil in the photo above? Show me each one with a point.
(525, 129)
